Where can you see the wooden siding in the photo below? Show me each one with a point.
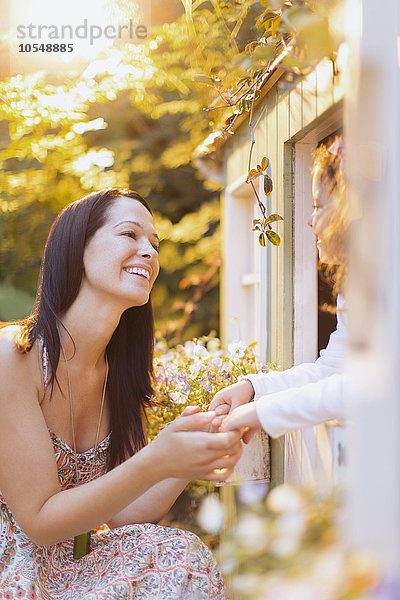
(284, 117)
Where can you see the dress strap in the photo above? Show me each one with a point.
(45, 361)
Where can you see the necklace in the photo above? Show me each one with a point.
(82, 541)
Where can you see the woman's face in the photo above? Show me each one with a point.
(121, 259)
(321, 217)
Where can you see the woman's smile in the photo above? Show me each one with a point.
(141, 271)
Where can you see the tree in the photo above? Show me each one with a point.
(132, 118)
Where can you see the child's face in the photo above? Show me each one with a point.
(322, 218)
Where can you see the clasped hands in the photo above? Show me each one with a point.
(235, 411)
(207, 445)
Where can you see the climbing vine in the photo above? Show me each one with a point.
(294, 36)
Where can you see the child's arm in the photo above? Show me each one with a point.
(293, 408)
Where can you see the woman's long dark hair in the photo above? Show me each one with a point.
(130, 350)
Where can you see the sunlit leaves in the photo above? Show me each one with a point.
(213, 81)
(268, 185)
(272, 218)
(152, 102)
(303, 24)
(273, 237)
(260, 169)
(194, 226)
(264, 227)
(253, 174)
(189, 248)
(174, 107)
(264, 163)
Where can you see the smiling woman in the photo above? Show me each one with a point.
(73, 443)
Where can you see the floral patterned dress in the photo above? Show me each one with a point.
(144, 561)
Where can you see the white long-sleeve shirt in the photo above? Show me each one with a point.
(307, 394)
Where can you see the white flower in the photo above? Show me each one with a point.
(211, 514)
(284, 498)
(228, 565)
(289, 530)
(165, 358)
(195, 369)
(160, 346)
(180, 385)
(226, 366)
(250, 492)
(178, 397)
(213, 345)
(329, 565)
(199, 351)
(294, 589)
(291, 524)
(216, 363)
(237, 349)
(284, 546)
(251, 532)
(243, 584)
(189, 347)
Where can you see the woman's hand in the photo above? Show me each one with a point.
(228, 399)
(186, 449)
(243, 417)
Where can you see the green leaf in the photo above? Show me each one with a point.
(245, 104)
(261, 239)
(259, 168)
(266, 18)
(273, 4)
(275, 26)
(203, 79)
(268, 185)
(272, 218)
(273, 238)
(264, 163)
(294, 63)
(256, 222)
(264, 53)
(251, 47)
(253, 174)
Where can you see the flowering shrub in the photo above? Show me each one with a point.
(192, 373)
(289, 545)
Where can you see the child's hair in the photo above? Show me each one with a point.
(328, 166)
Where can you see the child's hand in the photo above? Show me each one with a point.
(226, 400)
(243, 417)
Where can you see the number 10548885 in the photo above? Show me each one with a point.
(45, 47)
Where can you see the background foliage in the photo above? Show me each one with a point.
(131, 118)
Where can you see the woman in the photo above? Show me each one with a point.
(309, 393)
(75, 378)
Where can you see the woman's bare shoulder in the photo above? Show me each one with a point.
(12, 360)
(8, 336)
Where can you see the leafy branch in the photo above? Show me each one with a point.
(295, 34)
